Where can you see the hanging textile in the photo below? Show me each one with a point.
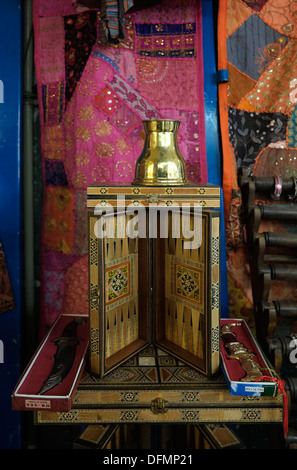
(257, 44)
(112, 25)
(93, 98)
(7, 301)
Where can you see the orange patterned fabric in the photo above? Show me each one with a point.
(257, 44)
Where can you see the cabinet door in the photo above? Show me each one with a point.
(118, 287)
(187, 290)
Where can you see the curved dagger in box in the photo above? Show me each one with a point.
(238, 351)
(64, 357)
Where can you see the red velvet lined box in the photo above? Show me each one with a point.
(25, 395)
(233, 371)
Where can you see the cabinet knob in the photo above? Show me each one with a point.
(158, 406)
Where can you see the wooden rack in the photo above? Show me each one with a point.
(272, 258)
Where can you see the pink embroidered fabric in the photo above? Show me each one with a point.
(92, 99)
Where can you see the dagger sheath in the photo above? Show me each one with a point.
(64, 356)
(238, 351)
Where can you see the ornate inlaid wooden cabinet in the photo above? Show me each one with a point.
(154, 264)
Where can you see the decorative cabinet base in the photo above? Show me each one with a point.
(155, 387)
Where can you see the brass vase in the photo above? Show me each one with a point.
(160, 163)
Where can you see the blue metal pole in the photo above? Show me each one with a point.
(10, 211)
(212, 129)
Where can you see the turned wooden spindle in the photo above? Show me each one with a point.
(280, 349)
(269, 314)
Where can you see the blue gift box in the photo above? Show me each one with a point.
(235, 374)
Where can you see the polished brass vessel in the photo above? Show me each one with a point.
(160, 162)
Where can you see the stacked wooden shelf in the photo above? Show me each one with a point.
(269, 207)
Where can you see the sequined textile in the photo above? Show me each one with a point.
(257, 46)
(93, 98)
